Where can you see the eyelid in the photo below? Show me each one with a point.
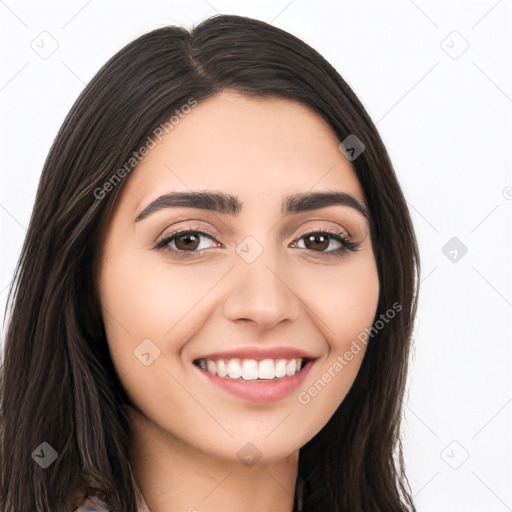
(331, 230)
(189, 227)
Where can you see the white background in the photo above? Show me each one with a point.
(445, 117)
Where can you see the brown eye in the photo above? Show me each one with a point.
(317, 241)
(186, 241)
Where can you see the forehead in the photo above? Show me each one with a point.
(256, 148)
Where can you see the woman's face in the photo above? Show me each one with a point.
(250, 289)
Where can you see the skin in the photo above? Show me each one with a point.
(187, 432)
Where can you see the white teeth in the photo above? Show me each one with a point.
(281, 368)
(210, 366)
(266, 369)
(234, 369)
(291, 367)
(251, 369)
(221, 368)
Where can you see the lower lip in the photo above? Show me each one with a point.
(260, 391)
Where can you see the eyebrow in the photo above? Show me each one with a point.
(228, 204)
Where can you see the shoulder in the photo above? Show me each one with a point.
(91, 504)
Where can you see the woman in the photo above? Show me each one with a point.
(214, 303)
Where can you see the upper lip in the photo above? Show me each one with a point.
(259, 353)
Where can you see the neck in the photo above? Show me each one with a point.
(174, 476)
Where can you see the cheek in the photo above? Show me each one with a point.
(343, 300)
(355, 302)
(132, 299)
(146, 298)
(345, 304)
(150, 311)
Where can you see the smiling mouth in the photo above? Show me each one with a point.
(253, 369)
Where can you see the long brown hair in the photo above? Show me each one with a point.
(59, 385)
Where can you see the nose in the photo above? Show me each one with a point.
(261, 293)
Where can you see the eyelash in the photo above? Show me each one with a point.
(347, 245)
